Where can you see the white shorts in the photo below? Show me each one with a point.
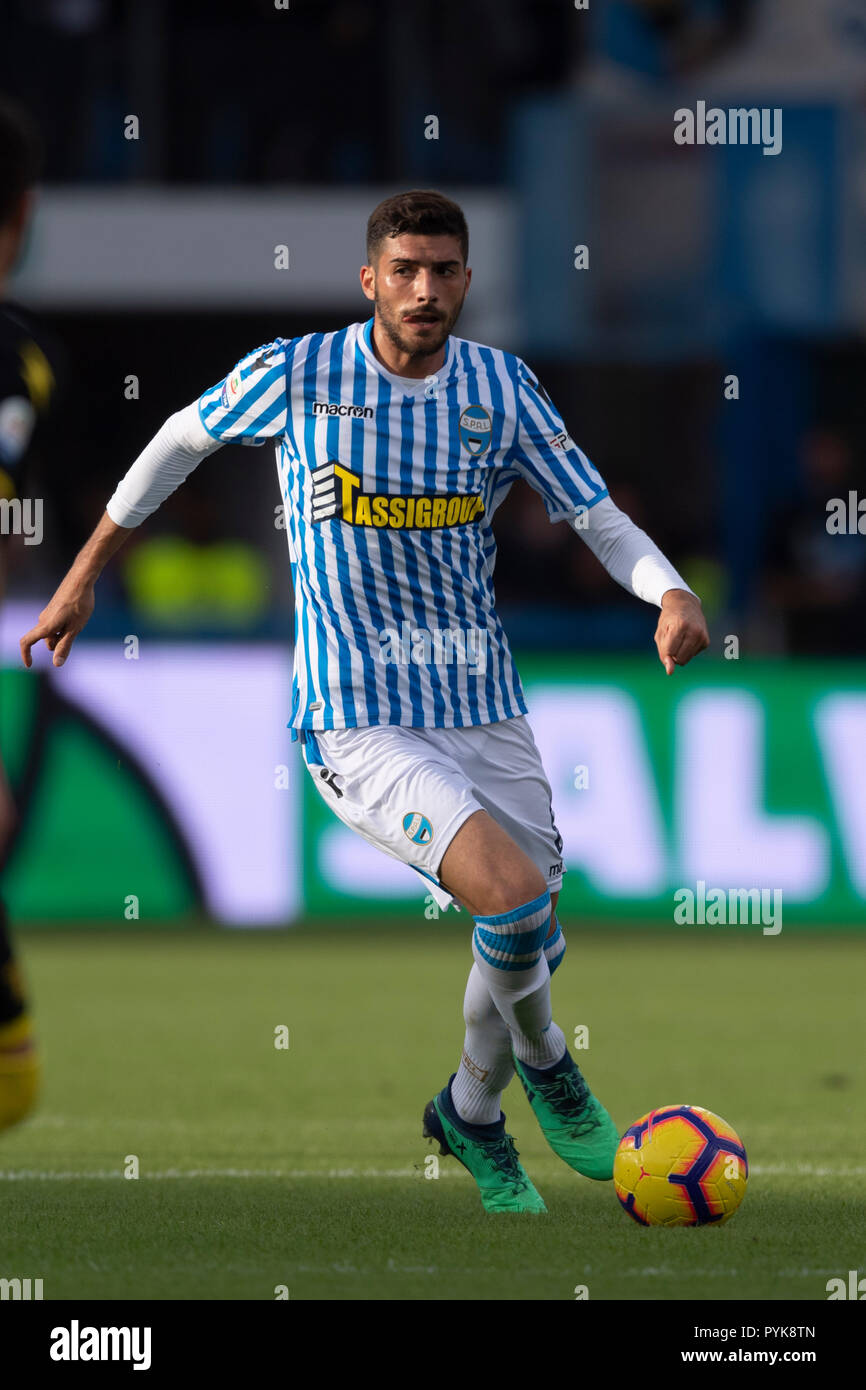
(408, 791)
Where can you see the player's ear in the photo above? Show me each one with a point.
(368, 281)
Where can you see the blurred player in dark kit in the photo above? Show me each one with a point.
(27, 385)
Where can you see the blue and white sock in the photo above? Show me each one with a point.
(509, 952)
(554, 947)
(486, 1066)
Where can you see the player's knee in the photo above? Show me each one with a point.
(513, 890)
(508, 944)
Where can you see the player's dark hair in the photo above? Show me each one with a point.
(21, 154)
(421, 211)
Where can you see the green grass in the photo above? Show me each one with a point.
(305, 1167)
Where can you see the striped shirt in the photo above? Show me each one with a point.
(389, 487)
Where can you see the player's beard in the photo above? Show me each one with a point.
(392, 324)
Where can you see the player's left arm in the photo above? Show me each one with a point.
(682, 630)
(635, 562)
(573, 489)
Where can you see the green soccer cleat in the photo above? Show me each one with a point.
(487, 1152)
(576, 1125)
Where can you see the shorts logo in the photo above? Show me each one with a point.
(331, 779)
(555, 870)
(417, 828)
(563, 440)
(337, 494)
(474, 429)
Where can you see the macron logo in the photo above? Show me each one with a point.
(357, 412)
(76, 1343)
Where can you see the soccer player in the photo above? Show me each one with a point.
(26, 389)
(397, 441)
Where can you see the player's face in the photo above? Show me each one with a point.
(418, 285)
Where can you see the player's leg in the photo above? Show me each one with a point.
(509, 899)
(402, 793)
(487, 1064)
(19, 1064)
(507, 895)
(510, 784)
(509, 777)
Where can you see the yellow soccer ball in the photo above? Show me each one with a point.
(680, 1165)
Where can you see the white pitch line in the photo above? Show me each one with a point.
(669, 1271)
(24, 1174)
(806, 1170)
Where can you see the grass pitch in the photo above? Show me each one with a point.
(305, 1168)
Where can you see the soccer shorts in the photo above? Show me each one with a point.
(408, 791)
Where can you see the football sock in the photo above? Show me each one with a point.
(554, 947)
(486, 1066)
(509, 952)
(563, 1064)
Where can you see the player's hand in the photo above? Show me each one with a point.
(682, 629)
(60, 622)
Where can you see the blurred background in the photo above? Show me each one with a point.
(709, 356)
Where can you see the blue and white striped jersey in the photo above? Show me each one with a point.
(390, 486)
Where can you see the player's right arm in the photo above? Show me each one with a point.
(249, 405)
(63, 618)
